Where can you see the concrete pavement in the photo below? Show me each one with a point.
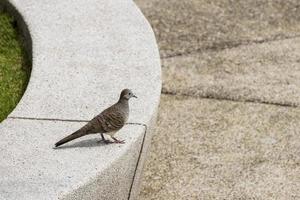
(228, 125)
(83, 54)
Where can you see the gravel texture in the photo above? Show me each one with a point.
(211, 149)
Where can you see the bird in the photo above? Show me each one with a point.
(109, 121)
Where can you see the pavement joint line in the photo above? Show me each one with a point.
(221, 47)
(139, 157)
(69, 120)
(233, 100)
(49, 119)
(75, 120)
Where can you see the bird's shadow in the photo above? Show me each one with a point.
(83, 143)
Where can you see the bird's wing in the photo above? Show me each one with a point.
(113, 119)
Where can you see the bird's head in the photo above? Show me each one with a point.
(127, 94)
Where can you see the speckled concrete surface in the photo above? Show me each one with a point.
(243, 55)
(210, 149)
(182, 27)
(268, 72)
(83, 169)
(83, 54)
(86, 59)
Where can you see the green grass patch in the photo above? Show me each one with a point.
(14, 66)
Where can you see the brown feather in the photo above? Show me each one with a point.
(111, 120)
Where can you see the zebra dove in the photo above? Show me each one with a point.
(108, 121)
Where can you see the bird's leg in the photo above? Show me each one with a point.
(118, 141)
(104, 140)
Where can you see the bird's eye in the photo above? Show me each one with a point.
(129, 93)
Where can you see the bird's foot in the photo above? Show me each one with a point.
(105, 141)
(118, 141)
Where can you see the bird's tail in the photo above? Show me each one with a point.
(81, 132)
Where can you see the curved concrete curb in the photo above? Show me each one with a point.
(83, 53)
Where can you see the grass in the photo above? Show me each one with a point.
(14, 66)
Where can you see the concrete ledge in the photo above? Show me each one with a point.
(83, 53)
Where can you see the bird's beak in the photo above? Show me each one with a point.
(134, 96)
